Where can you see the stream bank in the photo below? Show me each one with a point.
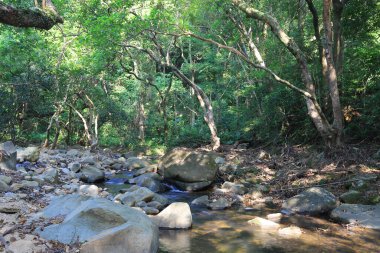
(32, 184)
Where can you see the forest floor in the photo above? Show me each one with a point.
(288, 170)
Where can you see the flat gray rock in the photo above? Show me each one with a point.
(367, 216)
(313, 201)
(105, 226)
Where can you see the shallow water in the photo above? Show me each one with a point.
(228, 231)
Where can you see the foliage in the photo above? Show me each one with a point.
(43, 71)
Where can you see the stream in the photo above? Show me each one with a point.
(228, 230)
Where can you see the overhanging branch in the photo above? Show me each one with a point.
(32, 17)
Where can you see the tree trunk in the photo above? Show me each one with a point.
(141, 115)
(57, 131)
(329, 133)
(206, 106)
(338, 42)
(331, 74)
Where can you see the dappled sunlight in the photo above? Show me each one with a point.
(229, 231)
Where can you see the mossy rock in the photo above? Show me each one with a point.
(351, 197)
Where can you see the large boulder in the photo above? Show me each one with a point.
(313, 201)
(104, 226)
(176, 216)
(30, 154)
(8, 156)
(91, 174)
(63, 205)
(367, 216)
(131, 238)
(185, 166)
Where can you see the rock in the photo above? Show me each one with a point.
(150, 181)
(351, 197)
(91, 190)
(313, 201)
(129, 154)
(263, 155)
(29, 184)
(88, 160)
(8, 156)
(125, 238)
(106, 226)
(73, 152)
(235, 188)
(91, 174)
(130, 198)
(219, 204)
(150, 210)
(185, 166)
(31, 154)
(228, 168)
(361, 183)
(290, 232)
(3, 186)
(150, 168)
(176, 216)
(263, 223)
(201, 201)
(50, 175)
(161, 199)
(256, 194)
(11, 206)
(5, 179)
(27, 245)
(74, 166)
(48, 188)
(117, 166)
(63, 205)
(133, 163)
(367, 216)
(220, 160)
(156, 205)
(196, 186)
(262, 188)
(275, 217)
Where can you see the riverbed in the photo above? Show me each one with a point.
(229, 231)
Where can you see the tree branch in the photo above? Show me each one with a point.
(32, 17)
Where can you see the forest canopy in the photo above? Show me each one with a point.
(166, 73)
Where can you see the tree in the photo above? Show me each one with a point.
(331, 133)
(42, 18)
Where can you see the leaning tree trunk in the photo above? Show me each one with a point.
(206, 106)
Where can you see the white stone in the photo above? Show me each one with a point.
(176, 216)
(91, 190)
(263, 223)
(290, 232)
